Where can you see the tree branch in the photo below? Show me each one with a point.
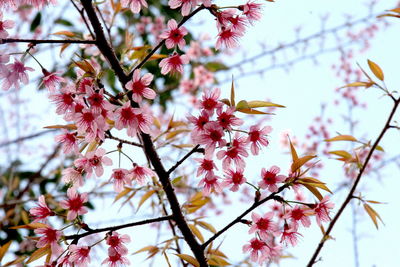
(35, 41)
(114, 228)
(353, 188)
(195, 149)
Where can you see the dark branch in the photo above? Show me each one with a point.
(353, 188)
(114, 228)
(195, 149)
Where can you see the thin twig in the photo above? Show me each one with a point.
(46, 41)
(7, 143)
(195, 149)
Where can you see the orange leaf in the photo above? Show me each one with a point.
(372, 214)
(196, 232)
(30, 226)
(189, 259)
(4, 249)
(376, 70)
(342, 138)
(66, 33)
(37, 254)
(145, 197)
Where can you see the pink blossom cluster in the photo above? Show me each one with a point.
(14, 4)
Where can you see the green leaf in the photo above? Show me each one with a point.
(36, 22)
(63, 22)
(215, 66)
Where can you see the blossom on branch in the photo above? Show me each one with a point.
(174, 35)
(4, 25)
(74, 204)
(41, 211)
(134, 5)
(139, 86)
(173, 63)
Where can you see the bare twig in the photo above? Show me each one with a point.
(46, 41)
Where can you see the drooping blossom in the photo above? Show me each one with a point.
(115, 259)
(72, 176)
(134, 5)
(252, 11)
(210, 183)
(289, 235)
(51, 80)
(41, 211)
(258, 250)
(69, 142)
(74, 204)
(139, 86)
(174, 35)
(141, 174)
(321, 210)
(116, 242)
(120, 178)
(64, 100)
(185, 4)
(210, 101)
(173, 64)
(13, 74)
(79, 254)
(233, 179)
(94, 160)
(257, 138)
(270, 178)
(50, 237)
(235, 152)
(228, 37)
(264, 225)
(4, 25)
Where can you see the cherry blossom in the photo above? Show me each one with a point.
(115, 259)
(96, 100)
(299, 214)
(185, 4)
(39, 3)
(233, 179)
(139, 86)
(174, 35)
(257, 138)
(199, 123)
(41, 211)
(235, 152)
(51, 80)
(228, 37)
(50, 237)
(69, 142)
(173, 63)
(74, 204)
(120, 178)
(227, 119)
(321, 210)
(258, 250)
(13, 74)
(141, 174)
(270, 178)
(210, 183)
(116, 242)
(134, 5)
(210, 101)
(212, 137)
(252, 11)
(207, 165)
(289, 235)
(4, 25)
(263, 225)
(79, 255)
(73, 176)
(64, 100)
(94, 160)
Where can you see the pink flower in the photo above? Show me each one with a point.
(5, 24)
(115, 259)
(299, 214)
(199, 123)
(73, 176)
(228, 37)
(321, 210)
(210, 184)
(69, 142)
(234, 179)
(94, 160)
(252, 11)
(49, 237)
(14, 74)
(134, 5)
(257, 138)
(174, 35)
(120, 178)
(290, 235)
(116, 242)
(263, 225)
(51, 80)
(212, 137)
(258, 250)
(41, 211)
(139, 86)
(235, 152)
(173, 63)
(79, 255)
(74, 204)
(134, 119)
(210, 101)
(39, 3)
(226, 118)
(64, 100)
(207, 165)
(96, 100)
(270, 179)
(186, 5)
(140, 174)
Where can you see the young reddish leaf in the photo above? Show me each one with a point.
(314, 182)
(196, 232)
(65, 33)
(37, 254)
(226, 102)
(395, 10)
(145, 197)
(372, 214)
(375, 202)
(342, 138)
(376, 70)
(189, 259)
(196, 202)
(4, 249)
(63, 47)
(30, 226)
(261, 104)
(388, 15)
(157, 56)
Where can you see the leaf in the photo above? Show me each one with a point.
(197, 201)
(4, 248)
(261, 104)
(300, 162)
(147, 248)
(314, 182)
(189, 259)
(63, 47)
(372, 214)
(85, 66)
(215, 66)
(226, 102)
(36, 22)
(207, 226)
(293, 151)
(196, 232)
(358, 84)
(253, 111)
(341, 153)
(63, 22)
(122, 193)
(65, 33)
(37, 254)
(379, 148)
(376, 70)
(217, 261)
(395, 10)
(176, 180)
(314, 191)
(34, 225)
(341, 138)
(144, 198)
(58, 126)
(172, 134)
(241, 105)
(16, 261)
